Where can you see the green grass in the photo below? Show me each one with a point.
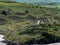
(52, 6)
(17, 20)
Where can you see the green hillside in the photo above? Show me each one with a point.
(27, 23)
(5, 0)
(52, 6)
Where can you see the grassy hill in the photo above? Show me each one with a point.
(20, 21)
(52, 6)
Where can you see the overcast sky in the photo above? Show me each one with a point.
(38, 0)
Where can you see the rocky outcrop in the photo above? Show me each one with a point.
(47, 21)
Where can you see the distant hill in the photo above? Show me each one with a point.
(46, 3)
(7, 1)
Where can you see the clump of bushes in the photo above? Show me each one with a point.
(6, 11)
(26, 11)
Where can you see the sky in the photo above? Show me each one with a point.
(37, 0)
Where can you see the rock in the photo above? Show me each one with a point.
(1, 43)
(1, 38)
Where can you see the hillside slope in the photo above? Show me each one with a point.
(28, 23)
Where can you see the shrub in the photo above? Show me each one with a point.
(6, 12)
(26, 11)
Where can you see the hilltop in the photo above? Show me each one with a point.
(28, 23)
